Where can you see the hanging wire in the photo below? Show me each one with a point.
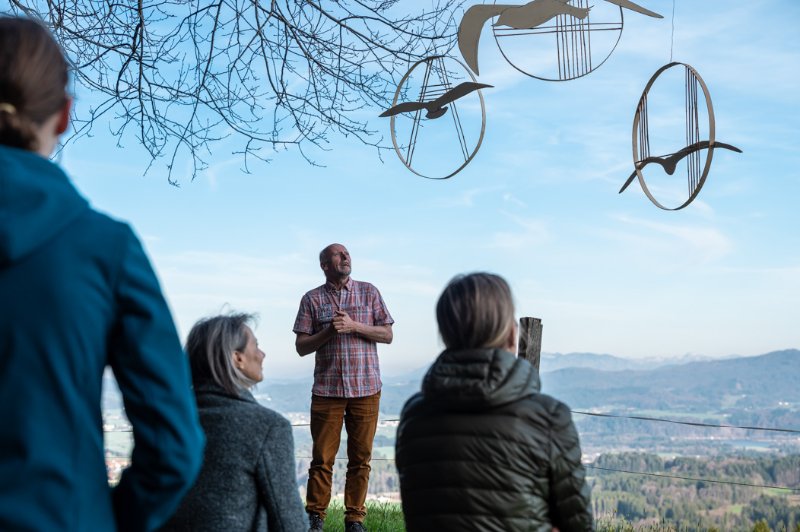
(624, 471)
(693, 479)
(690, 423)
(645, 418)
(629, 472)
(672, 34)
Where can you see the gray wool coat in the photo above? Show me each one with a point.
(248, 477)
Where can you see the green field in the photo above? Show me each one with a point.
(388, 517)
(381, 517)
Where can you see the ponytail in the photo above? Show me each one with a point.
(15, 131)
(33, 80)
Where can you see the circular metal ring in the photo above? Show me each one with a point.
(711, 136)
(567, 40)
(392, 120)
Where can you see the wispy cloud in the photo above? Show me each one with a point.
(467, 198)
(705, 244)
(526, 233)
(514, 200)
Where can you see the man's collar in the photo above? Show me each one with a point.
(330, 287)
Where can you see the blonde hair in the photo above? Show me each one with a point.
(475, 311)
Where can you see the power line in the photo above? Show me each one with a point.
(625, 471)
(691, 423)
(617, 416)
(646, 418)
(380, 421)
(339, 459)
(641, 473)
(663, 475)
(628, 472)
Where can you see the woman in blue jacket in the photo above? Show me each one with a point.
(77, 294)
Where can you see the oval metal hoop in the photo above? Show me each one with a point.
(392, 120)
(569, 78)
(711, 136)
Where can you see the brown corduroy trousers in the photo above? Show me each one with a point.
(360, 417)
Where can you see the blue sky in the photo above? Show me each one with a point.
(605, 272)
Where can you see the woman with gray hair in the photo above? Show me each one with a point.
(479, 448)
(248, 477)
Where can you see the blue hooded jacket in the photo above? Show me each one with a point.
(77, 294)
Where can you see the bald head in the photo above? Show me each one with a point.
(324, 255)
(335, 262)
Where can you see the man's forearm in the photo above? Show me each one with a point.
(308, 343)
(377, 333)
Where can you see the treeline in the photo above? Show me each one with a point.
(698, 504)
(660, 503)
(592, 428)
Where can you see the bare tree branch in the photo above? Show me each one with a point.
(182, 75)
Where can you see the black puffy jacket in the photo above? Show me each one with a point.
(479, 448)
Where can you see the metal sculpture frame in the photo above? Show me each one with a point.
(641, 136)
(566, 37)
(415, 128)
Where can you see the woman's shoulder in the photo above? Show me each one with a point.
(235, 408)
(268, 416)
(263, 423)
(543, 409)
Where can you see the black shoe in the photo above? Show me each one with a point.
(354, 526)
(315, 522)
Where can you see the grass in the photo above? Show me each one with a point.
(388, 517)
(620, 524)
(381, 517)
(736, 509)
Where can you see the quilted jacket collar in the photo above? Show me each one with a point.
(471, 379)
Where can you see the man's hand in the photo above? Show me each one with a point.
(343, 323)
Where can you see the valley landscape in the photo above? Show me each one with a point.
(664, 441)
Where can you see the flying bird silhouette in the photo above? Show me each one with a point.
(518, 17)
(670, 162)
(436, 108)
(527, 16)
(627, 4)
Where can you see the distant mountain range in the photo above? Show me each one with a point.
(601, 381)
(764, 381)
(556, 361)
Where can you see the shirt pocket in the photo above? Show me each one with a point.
(325, 314)
(360, 313)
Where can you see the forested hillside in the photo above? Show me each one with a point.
(693, 504)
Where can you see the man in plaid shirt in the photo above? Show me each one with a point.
(343, 321)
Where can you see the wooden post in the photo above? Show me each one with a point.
(530, 340)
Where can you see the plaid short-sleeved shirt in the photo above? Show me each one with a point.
(347, 365)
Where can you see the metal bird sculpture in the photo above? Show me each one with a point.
(436, 108)
(526, 16)
(670, 162)
(627, 4)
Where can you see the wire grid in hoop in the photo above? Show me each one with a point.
(575, 56)
(468, 154)
(641, 135)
